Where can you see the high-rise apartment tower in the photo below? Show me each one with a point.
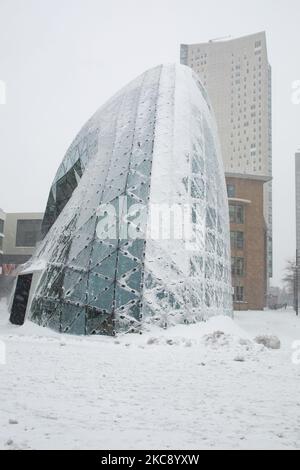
(237, 76)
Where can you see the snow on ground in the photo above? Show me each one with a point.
(205, 386)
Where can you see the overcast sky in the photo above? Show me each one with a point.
(61, 59)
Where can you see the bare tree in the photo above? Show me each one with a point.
(290, 279)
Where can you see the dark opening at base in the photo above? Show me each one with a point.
(18, 311)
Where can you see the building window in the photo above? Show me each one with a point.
(1, 226)
(230, 190)
(28, 232)
(1, 243)
(236, 214)
(237, 240)
(237, 266)
(238, 295)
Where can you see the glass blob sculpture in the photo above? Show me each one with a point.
(151, 156)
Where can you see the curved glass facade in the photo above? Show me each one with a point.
(151, 147)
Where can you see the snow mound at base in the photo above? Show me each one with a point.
(197, 331)
(270, 342)
(219, 336)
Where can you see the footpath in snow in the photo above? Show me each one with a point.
(204, 386)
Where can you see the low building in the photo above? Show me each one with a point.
(2, 221)
(248, 234)
(19, 234)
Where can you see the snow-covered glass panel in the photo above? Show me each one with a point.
(151, 151)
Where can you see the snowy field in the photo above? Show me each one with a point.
(206, 386)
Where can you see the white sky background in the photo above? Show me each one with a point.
(61, 59)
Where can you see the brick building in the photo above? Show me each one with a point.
(248, 234)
